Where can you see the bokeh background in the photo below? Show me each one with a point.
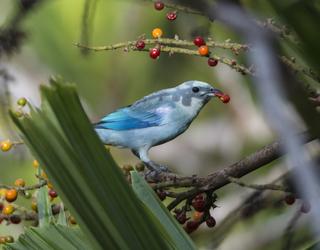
(220, 136)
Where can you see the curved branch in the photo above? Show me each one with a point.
(220, 178)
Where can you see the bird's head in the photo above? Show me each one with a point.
(197, 92)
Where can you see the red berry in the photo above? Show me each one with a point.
(305, 207)
(199, 41)
(290, 199)
(158, 5)
(15, 219)
(191, 226)
(181, 217)
(225, 98)
(140, 45)
(154, 53)
(211, 222)
(212, 62)
(199, 205)
(172, 16)
(52, 193)
(233, 62)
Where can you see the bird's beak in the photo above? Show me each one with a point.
(215, 92)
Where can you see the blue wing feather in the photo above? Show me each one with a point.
(125, 119)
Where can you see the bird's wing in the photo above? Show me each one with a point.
(127, 118)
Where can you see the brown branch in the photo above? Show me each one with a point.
(169, 41)
(171, 50)
(299, 69)
(26, 188)
(281, 30)
(218, 179)
(269, 186)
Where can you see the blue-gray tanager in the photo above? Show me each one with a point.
(155, 119)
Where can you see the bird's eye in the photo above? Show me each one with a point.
(195, 89)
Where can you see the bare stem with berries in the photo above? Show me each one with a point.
(130, 45)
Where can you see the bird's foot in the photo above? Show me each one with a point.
(152, 175)
(155, 170)
(156, 167)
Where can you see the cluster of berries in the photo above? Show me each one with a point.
(7, 145)
(8, 210)
(204, 50)
(154, 53)
(7, 196)
(200, 209)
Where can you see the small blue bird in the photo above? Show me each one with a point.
(155, 119)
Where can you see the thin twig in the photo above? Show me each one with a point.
(281, 30)
(300, 69)
(269, 186)
(42, 183)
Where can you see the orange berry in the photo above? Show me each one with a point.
(203, 50)
(157, 33)
(35, 164)
(6, 145)
(11, 195)
(8, 209)
(20, 182)
(197, 215)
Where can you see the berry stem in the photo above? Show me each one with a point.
(172, 50)
(25, 188)
(168, 41)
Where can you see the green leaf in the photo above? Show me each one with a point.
(149, 198)
(44, 207)
(85, 175)
(62, 218)
(49, 237)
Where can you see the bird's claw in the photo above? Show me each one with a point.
(153, 174)
(163, 168)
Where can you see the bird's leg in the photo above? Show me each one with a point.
(154, 168)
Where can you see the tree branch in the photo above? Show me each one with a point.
(220, 178)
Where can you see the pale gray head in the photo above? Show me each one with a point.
(196, 92)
